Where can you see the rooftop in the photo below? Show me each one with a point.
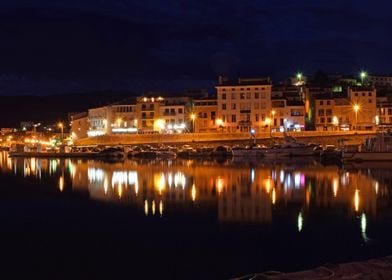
(224, 81)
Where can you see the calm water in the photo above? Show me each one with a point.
(189, 219)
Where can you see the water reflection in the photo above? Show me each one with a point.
(250, 194)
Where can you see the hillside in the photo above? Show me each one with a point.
(48, 109)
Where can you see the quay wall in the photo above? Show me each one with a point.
(320, 137)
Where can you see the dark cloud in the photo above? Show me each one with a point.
(53, 46)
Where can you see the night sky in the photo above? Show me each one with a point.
(60, 46)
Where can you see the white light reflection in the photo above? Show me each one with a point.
(335, 183)
(363, 227)
(300, 221)
(146, 207)
(356, 200)
(153, 207)
(161, 208)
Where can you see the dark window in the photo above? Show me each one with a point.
(180, 110)
(369, 94)
(328, 102)
(223, 95)
(223, 106)
(233, 118)
(256, 95)
(321, 102)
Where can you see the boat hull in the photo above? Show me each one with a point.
(367, 156)
(290, 152)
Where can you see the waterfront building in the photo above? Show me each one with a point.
(205, 115)
(243, 105)
(163, 115)
(79, 125)
(99, 121)
(286, 116)
(384, 110)
(123, 118)
(355, 111)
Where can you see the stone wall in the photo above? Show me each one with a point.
(322, 137)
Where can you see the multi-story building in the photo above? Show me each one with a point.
(384, 110)
(79, 125)
(286, 115)
(356, 111)
(112, 119)
(205, 115)
(163, 115)
(363, 100)
(99, 121)
(380, 80)
(243, 105)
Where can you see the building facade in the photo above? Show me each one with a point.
(243, 105)
(79, 126)
(356, 111)
(205, 115)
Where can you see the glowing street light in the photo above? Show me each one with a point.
(363, 76)
(335, 121)
(219, 123)
(193, 117)
(356, 109)
(61, 126)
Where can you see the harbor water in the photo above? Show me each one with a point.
(189, 219)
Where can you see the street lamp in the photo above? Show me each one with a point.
(363, 76)
(219, 123)
(60, 125)
(335, 121)
(356, 109)
(193, 117)
(35, 127)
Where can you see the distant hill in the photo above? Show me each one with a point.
(50, 109)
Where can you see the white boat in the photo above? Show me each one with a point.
(378, 148)
(290, 148)
(248, 151)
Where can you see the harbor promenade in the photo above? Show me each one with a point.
(320, 137)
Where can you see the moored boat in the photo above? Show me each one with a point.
(378, 148)
(248, 151)
(290, 148)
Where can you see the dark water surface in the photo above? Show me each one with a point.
(187, 219)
